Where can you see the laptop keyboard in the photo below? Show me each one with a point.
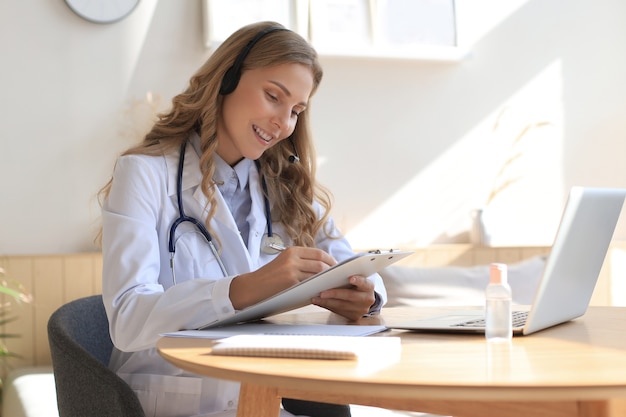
(519, 319)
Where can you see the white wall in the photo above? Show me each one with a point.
(407, 147)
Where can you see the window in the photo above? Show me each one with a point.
(406, 29)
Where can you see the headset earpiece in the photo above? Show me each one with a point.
(230, 81)
(233, 74)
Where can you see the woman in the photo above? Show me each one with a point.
(196, 216)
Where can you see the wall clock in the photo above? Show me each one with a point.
(102, 11)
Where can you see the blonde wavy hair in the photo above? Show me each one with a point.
(292, 187)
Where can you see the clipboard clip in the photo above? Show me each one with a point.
(378, 251)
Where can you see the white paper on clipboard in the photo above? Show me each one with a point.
(300, 295)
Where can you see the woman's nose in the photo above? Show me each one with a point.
(282, 119)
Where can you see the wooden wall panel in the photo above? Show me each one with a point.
(80, 276)
(49, 277)
(52, 280)
(468, 255)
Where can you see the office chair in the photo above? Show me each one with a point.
(80, 344)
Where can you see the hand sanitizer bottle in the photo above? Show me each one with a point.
(498, 326)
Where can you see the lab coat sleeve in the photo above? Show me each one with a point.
(138, 305)
(340, 249)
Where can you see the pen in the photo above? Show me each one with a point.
(276, 246)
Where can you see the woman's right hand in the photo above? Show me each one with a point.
(291, 266)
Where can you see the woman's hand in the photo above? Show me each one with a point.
(352, 303)
(291, 266)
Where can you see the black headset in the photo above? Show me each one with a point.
(233, 74)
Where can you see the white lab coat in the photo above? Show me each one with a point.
(138, 291)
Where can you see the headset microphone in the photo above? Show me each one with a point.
(295, 157)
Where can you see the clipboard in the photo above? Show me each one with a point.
(300, 295)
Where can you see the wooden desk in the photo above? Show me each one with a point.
(575, 369)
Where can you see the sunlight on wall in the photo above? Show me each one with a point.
(509, 164)
(135, 38)
(476, 18)
(527, 153)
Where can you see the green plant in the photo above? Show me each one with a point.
(14, 293)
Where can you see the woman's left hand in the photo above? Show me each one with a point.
(352, 303)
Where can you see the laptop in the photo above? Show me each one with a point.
(570, 273)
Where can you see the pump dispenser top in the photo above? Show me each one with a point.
(498, 274)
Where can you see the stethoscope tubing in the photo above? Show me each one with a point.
(268, 213)
(182, 217)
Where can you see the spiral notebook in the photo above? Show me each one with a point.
(308, 347)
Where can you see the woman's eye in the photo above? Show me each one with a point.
(271, 96)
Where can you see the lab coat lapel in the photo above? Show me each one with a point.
(192, 179)
(234, 251)
(191, 171)
(256, 218)
(224, 229)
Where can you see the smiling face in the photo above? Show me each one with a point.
(262, 111)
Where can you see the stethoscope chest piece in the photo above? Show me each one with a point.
(271, 245)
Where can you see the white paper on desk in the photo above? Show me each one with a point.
(279, 329)
(308, 347)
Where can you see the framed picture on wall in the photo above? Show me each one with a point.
(222, 17)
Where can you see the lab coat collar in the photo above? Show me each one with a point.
(223, 171)
(192, 178)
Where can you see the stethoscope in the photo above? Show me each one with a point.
(271, 242)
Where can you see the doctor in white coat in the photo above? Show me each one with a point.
(189, 215)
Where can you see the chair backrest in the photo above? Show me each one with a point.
(80, 345)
